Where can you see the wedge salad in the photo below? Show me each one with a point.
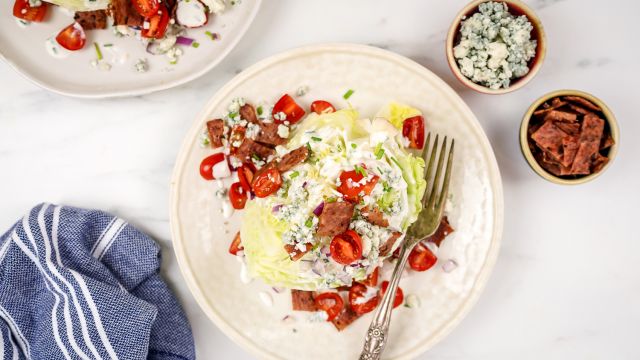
(161, 26)
(327, 197)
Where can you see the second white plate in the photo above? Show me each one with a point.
(24, 49)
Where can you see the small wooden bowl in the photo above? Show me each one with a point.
(533, 163)
(516, 8)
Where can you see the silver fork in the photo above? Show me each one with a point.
(428, 221)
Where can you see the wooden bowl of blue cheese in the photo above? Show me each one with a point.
(495, 47)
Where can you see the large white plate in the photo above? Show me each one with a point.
(201, 237)
(24, 49)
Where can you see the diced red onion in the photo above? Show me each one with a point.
(449, 265)
(183, 40)
(304, 185)
(276, 208)
(318, 210)
(277, 290)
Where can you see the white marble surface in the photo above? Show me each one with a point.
(566, 282)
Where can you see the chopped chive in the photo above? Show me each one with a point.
(353, 145)
(331, 200)
(360, 170)
(348, 94)
(173, 62)
(379, 151)
(98, 52)
(107, 45)
(259, 110)
(308, 223)
(315, 138)
(308, 147)
(255, 157)
(212, 36)
(386, 187)
(195, 44)
(396, 161)
(294, 174)
(233, 114)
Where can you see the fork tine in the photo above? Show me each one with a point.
(436, 178)
(447, 177)
(427, 176)
(425, 153)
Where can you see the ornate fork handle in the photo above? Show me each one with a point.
(376, 338)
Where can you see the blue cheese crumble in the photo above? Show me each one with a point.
(495, 46)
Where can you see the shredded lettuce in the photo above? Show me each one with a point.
(262, 232)
(261, 235)
(396, 113)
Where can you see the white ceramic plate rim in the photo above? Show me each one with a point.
(494, 175)
(150, 89)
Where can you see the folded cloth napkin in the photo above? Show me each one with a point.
(83, 284)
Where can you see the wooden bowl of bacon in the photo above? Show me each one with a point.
(569, 137)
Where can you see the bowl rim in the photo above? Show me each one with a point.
(537, 65)
(533, 163)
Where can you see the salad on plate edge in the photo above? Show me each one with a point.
(327, 198)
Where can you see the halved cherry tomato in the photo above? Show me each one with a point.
(351, 187)
(290, 108)
(23, 10)
(146, 8)
(346, 247)
(158, 23)
(372, 279)
(330, 302)
(236, 245)
(207, 164)
(266, 182)
(358, 302)
(245, 175)
(413, 129)
(72, 37)
(421, 258)
(322, 107)
(237, 196)
(398, 299)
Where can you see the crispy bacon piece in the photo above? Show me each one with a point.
(599, 162)
(570, 147)
(91, 20)
(335, 218)
(346, 317)
(590, 137)
(578, 109)
(583, 103)
(247, 112)
(250, 148)
(374, 216)
(293, 158)
(388, 245)
(215, 129)
(546, 108)
(269, 135)
(302, 300)
(296, 254)
(549, 137)
(444, 229)
(572, 128)
(607, 142)
(556, 115)
(124, 13)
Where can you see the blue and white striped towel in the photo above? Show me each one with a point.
(83, 284)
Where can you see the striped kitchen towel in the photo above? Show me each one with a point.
(83, 284)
